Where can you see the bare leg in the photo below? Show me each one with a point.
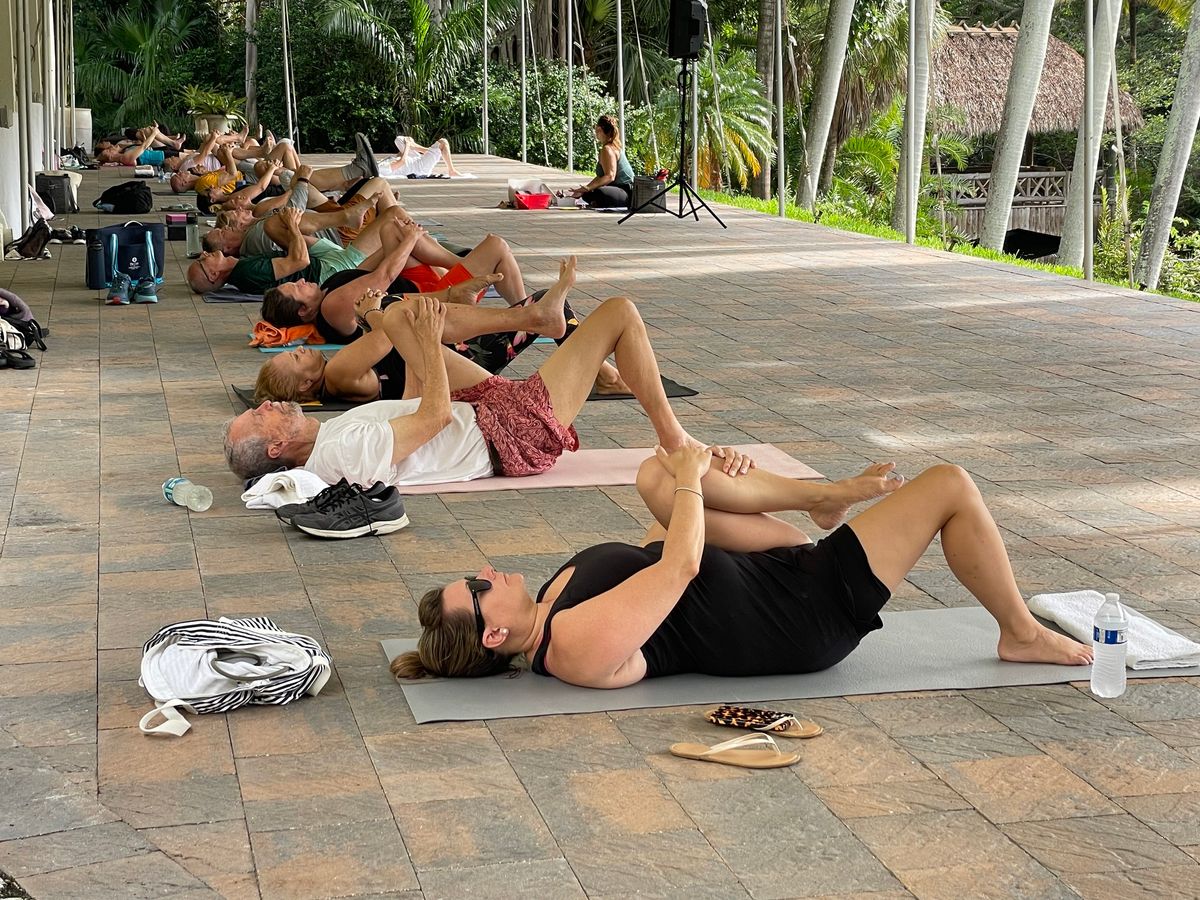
(944, 500)
(571, 370)
(327, 179)
(311, 222)
(492, 254)
(444, 146)
(545, 317)
(744, 497)
(369, 241)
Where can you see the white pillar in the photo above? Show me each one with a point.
(1089, 162)
(524, 105)
(22, 31)
(287, 72)
(620, 74)
(49, 102)
(484, 120)
(910, 102)
(570, 85)
(780, 180)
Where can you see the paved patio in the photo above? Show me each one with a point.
(1074, 406)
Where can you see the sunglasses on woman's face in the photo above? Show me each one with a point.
(477, 586)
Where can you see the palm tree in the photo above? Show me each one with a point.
(426, 54)
(1070, 250)
(1172, 164)
(914, 118)
(735, 119)
(825, 93)
(1023, 83)
(124, 58)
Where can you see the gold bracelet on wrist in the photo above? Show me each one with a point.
(690, 491)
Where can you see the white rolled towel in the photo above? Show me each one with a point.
(1149, 645)
(279, 488)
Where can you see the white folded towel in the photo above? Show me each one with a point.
(274, 490)
(1149, 644)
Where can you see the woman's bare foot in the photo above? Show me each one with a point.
(609, 381)
(875, 481)
(467, 292)
(1045, 646)
(549, 315)
(566, 273)
(355, 215)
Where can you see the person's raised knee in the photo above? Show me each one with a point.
(951, 477)
(619, 306)
(495, 242)
(650, 477)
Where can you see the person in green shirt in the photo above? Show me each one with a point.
(307, 258)
(613, 184)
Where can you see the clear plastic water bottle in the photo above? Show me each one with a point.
(182, 492)
(1108, 648)
(191, 233)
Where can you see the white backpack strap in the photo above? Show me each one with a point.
(173, 724)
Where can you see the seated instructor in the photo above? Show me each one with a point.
(467, 423)
(722, 587)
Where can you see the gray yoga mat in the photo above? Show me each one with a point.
(919, 650)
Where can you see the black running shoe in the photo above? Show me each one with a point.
(356, 514)
(332, 495)
(364, 156)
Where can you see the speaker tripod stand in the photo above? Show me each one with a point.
(686, 191)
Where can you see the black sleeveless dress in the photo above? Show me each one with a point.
(782, 611)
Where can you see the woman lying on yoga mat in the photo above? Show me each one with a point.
(371, 368)
(757, 599)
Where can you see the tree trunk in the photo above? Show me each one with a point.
(1023, 82)
(564, 39)
(825, 182)
(825, 93)
(1132, 32)
(1172, 164)
(920, 93)
(251, 63)
(764, 64)
(1070, 251)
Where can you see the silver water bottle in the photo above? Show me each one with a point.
(192, 235)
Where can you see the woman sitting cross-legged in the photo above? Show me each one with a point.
(724, 588)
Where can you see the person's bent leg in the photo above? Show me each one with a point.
(444, 146)
(571, 370)
(494, 255)
(746, 532)
(897, 530)
(762, 491)
(368, 241)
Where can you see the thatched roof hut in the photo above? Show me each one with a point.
(970, 73)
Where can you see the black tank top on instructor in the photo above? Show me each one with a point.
(782, 611)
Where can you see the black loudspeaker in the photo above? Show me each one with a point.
(685, 31)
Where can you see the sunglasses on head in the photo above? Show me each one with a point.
(477, 586)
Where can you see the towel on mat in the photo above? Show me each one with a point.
(267, 335)
(1149, 645)
(291, 486)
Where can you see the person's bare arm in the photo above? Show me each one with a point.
(338, 305)
(608, 163)
(252, 192)
(349, 374)
(589, 649)
(297, 257)
(425, 319)
(129, 157)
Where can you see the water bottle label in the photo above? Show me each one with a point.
(1116, 636)
(169, 487)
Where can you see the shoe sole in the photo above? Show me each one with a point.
(145, 299)
(116, 301)
(385, 527)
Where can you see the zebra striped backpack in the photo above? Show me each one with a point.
(209, 666)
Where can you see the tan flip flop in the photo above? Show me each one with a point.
(750, 751)
(790, 726)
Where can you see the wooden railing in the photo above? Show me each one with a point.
(1033, 188)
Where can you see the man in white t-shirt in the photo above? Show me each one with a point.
(466, 423)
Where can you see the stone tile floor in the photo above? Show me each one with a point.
(1074, 406)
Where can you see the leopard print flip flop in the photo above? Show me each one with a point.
(773, 721)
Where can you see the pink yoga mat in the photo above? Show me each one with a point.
(588, 468)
